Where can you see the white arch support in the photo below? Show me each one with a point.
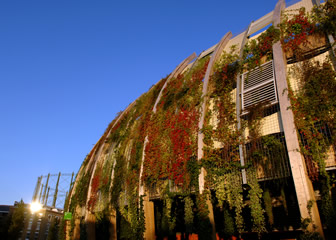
(214, 56)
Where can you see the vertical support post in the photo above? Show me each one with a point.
(90, 222)
(45, 189)
(72, 175)
(37, 187)
(215, 55)
(303, 186)
(113, 225)
(75, 235)
(41, 190)
(46, 200)
(56, 190)
(149, 219)
(238, 108)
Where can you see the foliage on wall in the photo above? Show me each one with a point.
(258, 51)
(172, 135)
(170, 155)
(204, 228)
(295, 29)
(314, 107)
(325, 15)
(188, 214)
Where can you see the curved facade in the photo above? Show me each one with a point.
(224, 145)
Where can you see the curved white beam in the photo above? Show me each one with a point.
(215, 55)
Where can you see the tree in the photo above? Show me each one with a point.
(17, 222)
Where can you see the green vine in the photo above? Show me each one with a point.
(204, 228)
(229, 191)
(229, 225)
(325, 14)
(258, 51)
(268, 207)
(314, 107)
(170, 163)
(188, 214)
(255, 195)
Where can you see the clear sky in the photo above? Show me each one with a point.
(68, 66)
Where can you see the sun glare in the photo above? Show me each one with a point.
(35, 207)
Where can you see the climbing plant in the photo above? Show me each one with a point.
(313, 104)
(229, 192)
(268, 207)
(259, 50)
(188, 214)
(204, 228)
(314, 109)
(325, 15)
(296, 26)
(170, 154)
(172, 135)
(255, 196)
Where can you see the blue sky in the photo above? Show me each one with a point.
(68, 66)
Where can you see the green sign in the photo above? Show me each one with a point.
(67, 216)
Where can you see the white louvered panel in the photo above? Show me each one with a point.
(262, 94)
(258, 76)
(259, 86)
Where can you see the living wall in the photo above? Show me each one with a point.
(165, 142)
(314, 111)
(170, 165)
(223, 138)
(170, 154)
(313, 102)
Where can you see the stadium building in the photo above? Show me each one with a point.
(237, 141)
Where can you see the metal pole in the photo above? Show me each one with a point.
(238, 108)
(72, 175)
(45, 189)
(41, 193)
(37, 187)
(56, 190)
(46, 200)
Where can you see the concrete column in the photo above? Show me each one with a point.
(67, 230)
(303, 186)
(149, 219)
(90, 222)
(113, 225)
(76, 230)
(211, 217)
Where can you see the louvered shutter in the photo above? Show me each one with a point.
(259, 86)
